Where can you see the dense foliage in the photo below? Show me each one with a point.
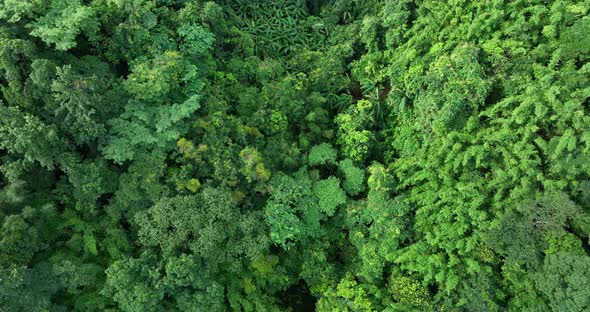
(336, 155)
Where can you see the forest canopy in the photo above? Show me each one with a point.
(290, 155)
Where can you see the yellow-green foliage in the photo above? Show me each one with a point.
(408, 292)
(193, 185)
(253, 166)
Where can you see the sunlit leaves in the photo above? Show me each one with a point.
(348, 295)
(64, 21)
(15, 10)
(455, 88)
(297, 205)
(408, 293)
(154, 79)
(290, 197)
(254, 169)
(152, 119)
(352, 134)
(329, 195)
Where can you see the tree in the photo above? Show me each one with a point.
(64, 21)
(407, 293)
(348, 295)
(84, 98)
(15, 10)
(455, 88)
(289, 200)
(196, 40)
(523, 234)
(342, 155)
(329, 195)
(563, 281)
(354, 177)
(322, 154)
(352, 133)
(207, 224)
(146, 124)
(31, 289)
(297, 205)
(152, 284)
(254, 169)
(19, 239)
(32, 139)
